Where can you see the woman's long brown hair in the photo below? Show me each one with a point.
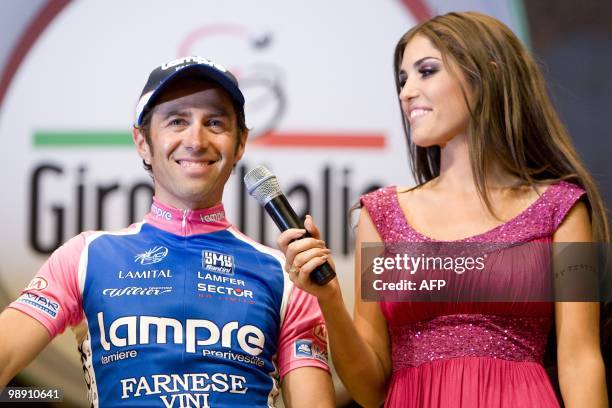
(513, 122)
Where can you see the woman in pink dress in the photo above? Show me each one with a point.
(493, 164)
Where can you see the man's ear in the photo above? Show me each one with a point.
(142, 147)
(241, 146)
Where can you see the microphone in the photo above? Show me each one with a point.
(263, 186)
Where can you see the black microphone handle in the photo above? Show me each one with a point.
(284, 217)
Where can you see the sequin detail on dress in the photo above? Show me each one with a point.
(469, 335)
(538, 220)
(473, 354)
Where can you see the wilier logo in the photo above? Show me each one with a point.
(153, 255)
(218, 263)
(137, 291)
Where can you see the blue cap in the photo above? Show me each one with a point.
(196, 66)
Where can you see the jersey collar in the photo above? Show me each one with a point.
(187, 222)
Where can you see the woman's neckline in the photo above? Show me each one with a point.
(480, 235)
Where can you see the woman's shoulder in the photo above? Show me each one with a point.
(550, 203)
(566, 188)
(379, 209)
(385, 200)
(378, 193)
(378, 200)
(561, 197)
(557, 194)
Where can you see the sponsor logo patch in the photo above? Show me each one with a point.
(220, 279)
(218, 263)
(183, 390)
(152, 256)
(221, 290)
(37, 283)
(306, 348)
(319, 353)
(303, 349)
(118, 356)
(137, 291)
(181, 63)
(161, 213)
(42, 303)
(146, 274)
(320, 332)
(224, 290)
(231, 356)
(214, 217)
(197, 335)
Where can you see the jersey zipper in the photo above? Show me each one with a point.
(184, 222)
(185, 246)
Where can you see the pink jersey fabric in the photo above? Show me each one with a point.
(54, 296)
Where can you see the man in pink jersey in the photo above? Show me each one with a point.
(181, 309)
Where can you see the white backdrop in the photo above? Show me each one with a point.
(321, 103)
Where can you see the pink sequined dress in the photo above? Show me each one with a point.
(462, 354)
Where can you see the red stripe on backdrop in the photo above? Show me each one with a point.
(421, 12)
(320, 140)
(419, 9)
(215, 29)
(29, 36)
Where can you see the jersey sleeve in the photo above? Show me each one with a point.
(53, 296)
(303, 336)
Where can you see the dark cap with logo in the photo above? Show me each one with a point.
(193, 66)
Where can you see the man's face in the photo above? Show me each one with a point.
(194, 144)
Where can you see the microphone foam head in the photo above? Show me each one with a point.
(262, 185)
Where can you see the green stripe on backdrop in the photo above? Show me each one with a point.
(81, 139)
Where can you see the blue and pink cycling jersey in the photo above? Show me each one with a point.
(180, 310)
